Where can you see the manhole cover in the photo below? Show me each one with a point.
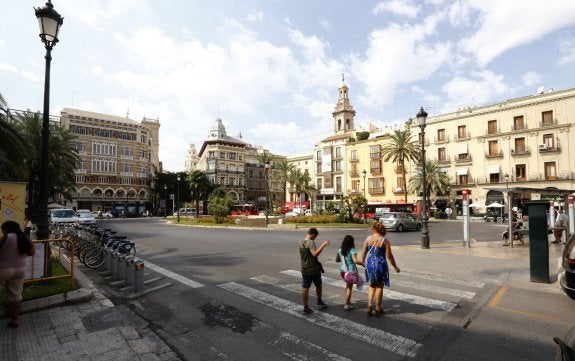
(101, 320)
(227, 316)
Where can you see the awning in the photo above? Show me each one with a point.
(493, 169)
(462, 148)
(443, 170)
(461, 171)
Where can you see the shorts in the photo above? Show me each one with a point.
(308, 279)
(12, 279)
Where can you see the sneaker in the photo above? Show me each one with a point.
(348, 307)
(321, 304)
(307, 310)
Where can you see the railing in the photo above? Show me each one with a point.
(518, 127)
(520, 151)
(459, 158)
(492, 131)
(375, 170)
(547, 123)
(544, 148)
(494, 154)
(443, 139)
(376, 190)
(42, 260)
(465, 136)
(398, 190)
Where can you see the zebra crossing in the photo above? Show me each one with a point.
(419, 301)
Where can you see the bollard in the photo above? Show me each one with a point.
(139, 276)
(114, 265)
(129, 268)
(121, 268)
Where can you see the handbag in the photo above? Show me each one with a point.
(349, 276)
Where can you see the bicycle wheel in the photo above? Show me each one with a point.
(94, 258)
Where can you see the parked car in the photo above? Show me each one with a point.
(400, 221)
(568, 277)
(291, 214)
(86, 218)
(495, 216)
(63, 215)
(186, 212)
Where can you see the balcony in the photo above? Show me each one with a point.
(353, 174)
(497, 154)
(518, 127)
(375, 170)
(545, 148)
(548, 123)
(520, 151)
(462, 158)
(492, 131)
(81, 171)
(375, 155)
(376, 190)
(128, 157)
(444, 160)
(127, 174)
(463, 136)
(443, 139)
(398, 190)
(354, 160)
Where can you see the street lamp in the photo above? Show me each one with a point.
(165, 201)
(178, 200)
(421, 118)
(365, 206)
(50, 22)
(267, 168)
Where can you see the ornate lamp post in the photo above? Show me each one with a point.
(364, 173)
(421, 118)
(165, 201)
(50, 22)
(178, 200)
(267, 169)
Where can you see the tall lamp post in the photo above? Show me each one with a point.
(421, 119)
(165, 201)
(267, 169)
(178, 200)
(364, 173)
(50, 22)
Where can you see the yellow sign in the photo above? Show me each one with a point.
(12, 202)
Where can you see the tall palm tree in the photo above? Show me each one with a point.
(13, 146)
(435, 179)
(399, 149)
(200, 186)
(300, 181)
(283, 168)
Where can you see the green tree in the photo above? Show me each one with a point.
(300, 181)
(401, 148)
(200, 186)
(284, 169)
(362, 135)
(13, 146)
(435, 179)
(220, 204)
(359, 205)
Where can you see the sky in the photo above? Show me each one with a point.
(270, 69)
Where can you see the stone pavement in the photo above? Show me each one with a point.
(85, 325)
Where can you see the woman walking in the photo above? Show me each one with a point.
(347, 255)
(375, 250)
(14, 247)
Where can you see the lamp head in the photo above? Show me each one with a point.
(421, 118)
(364, 173)
(50, 22)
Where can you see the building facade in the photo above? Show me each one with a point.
(119, 158)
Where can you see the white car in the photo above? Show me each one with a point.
(63, 215)
(86, 218)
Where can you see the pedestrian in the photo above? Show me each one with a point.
(560, 225)
(376, 248)
(311, 268)
(347, 255)
(14, 247)
(27, 223)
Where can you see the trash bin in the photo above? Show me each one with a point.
(538, 241)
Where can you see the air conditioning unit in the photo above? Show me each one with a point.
(543, 147)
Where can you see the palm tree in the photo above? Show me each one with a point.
(399, 149)
(435, 179)
(13, 148)
(200, 186)
(300, 181)
(283, 168)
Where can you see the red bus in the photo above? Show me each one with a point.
(245, 210)
(289, 206)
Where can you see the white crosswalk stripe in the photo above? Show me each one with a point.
(416, 300)
(387, 341)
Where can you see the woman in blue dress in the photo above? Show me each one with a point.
(376, 248)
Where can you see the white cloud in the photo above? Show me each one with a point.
(255, 16)
(567, 49)
(531, 78)
(465, 92)
(503, 25)
(398, 7)
(97, 14)
(312, 46)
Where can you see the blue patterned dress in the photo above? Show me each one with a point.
(376, 268)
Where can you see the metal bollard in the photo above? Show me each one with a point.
(121, 268)
(114, 265)
(129, 271)
(139, 276)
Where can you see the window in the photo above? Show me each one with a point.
(547, 118)
(318, 168)
(355, 186)
(232, 156)
(375, 166)
(550, 171)
(463, 179)
(520, 172)
(338, 184)
(441, 155)
(520, 146)
(143, 139)
(211, 154)
(374, 151)
(493, 148)
(318, 155)
(441, 135)
(400, 183)
(353, 171)
(338, 152)
(548, 140)
(222, 155)
(338, 165)
(518, 123)
(354, 154)
(492, 127)
(80, 147)
(461, 132)
(494, 178)
(319, 183)
(376, 185)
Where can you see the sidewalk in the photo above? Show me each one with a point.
(85, 325)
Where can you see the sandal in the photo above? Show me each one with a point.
(378, 313)
(369, 310)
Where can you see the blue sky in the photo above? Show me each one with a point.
(271, 68)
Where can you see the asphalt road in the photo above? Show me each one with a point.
(235, 295)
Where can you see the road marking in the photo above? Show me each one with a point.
(499, 295)
(474, 284)
(436, 289)
(416, 300)
(186, 281)
(387, 341)
(302, 344)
